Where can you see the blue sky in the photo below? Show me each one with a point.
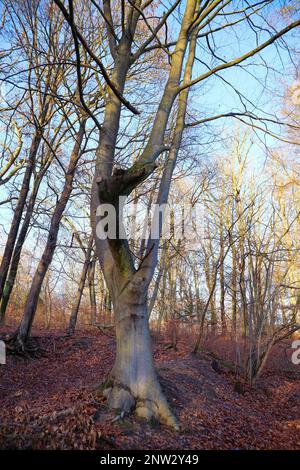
(214, 96)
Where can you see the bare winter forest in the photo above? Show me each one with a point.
(149, 224)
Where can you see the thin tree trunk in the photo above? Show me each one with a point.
(36, 285)
(10, 281)
(157, 282)
(75, 309)
(108, 307)
(173, 303)
(11, 239)
(222, 282)
(92, 292)
(48, 304)
(210, 275)
(162, 310)
(234, 287)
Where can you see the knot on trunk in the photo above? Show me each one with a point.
(122, 182)
(136, 288)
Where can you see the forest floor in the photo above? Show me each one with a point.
(50, 402)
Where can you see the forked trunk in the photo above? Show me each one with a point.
(133, 383)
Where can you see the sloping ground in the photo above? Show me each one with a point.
(49, 402)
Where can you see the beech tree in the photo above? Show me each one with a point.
(132, 383)
(184, 41)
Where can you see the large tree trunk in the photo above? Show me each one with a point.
(133, 383)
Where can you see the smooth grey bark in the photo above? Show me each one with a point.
(32, 299)
(133, 383)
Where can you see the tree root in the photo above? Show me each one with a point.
(153, 407)
(29, 349)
